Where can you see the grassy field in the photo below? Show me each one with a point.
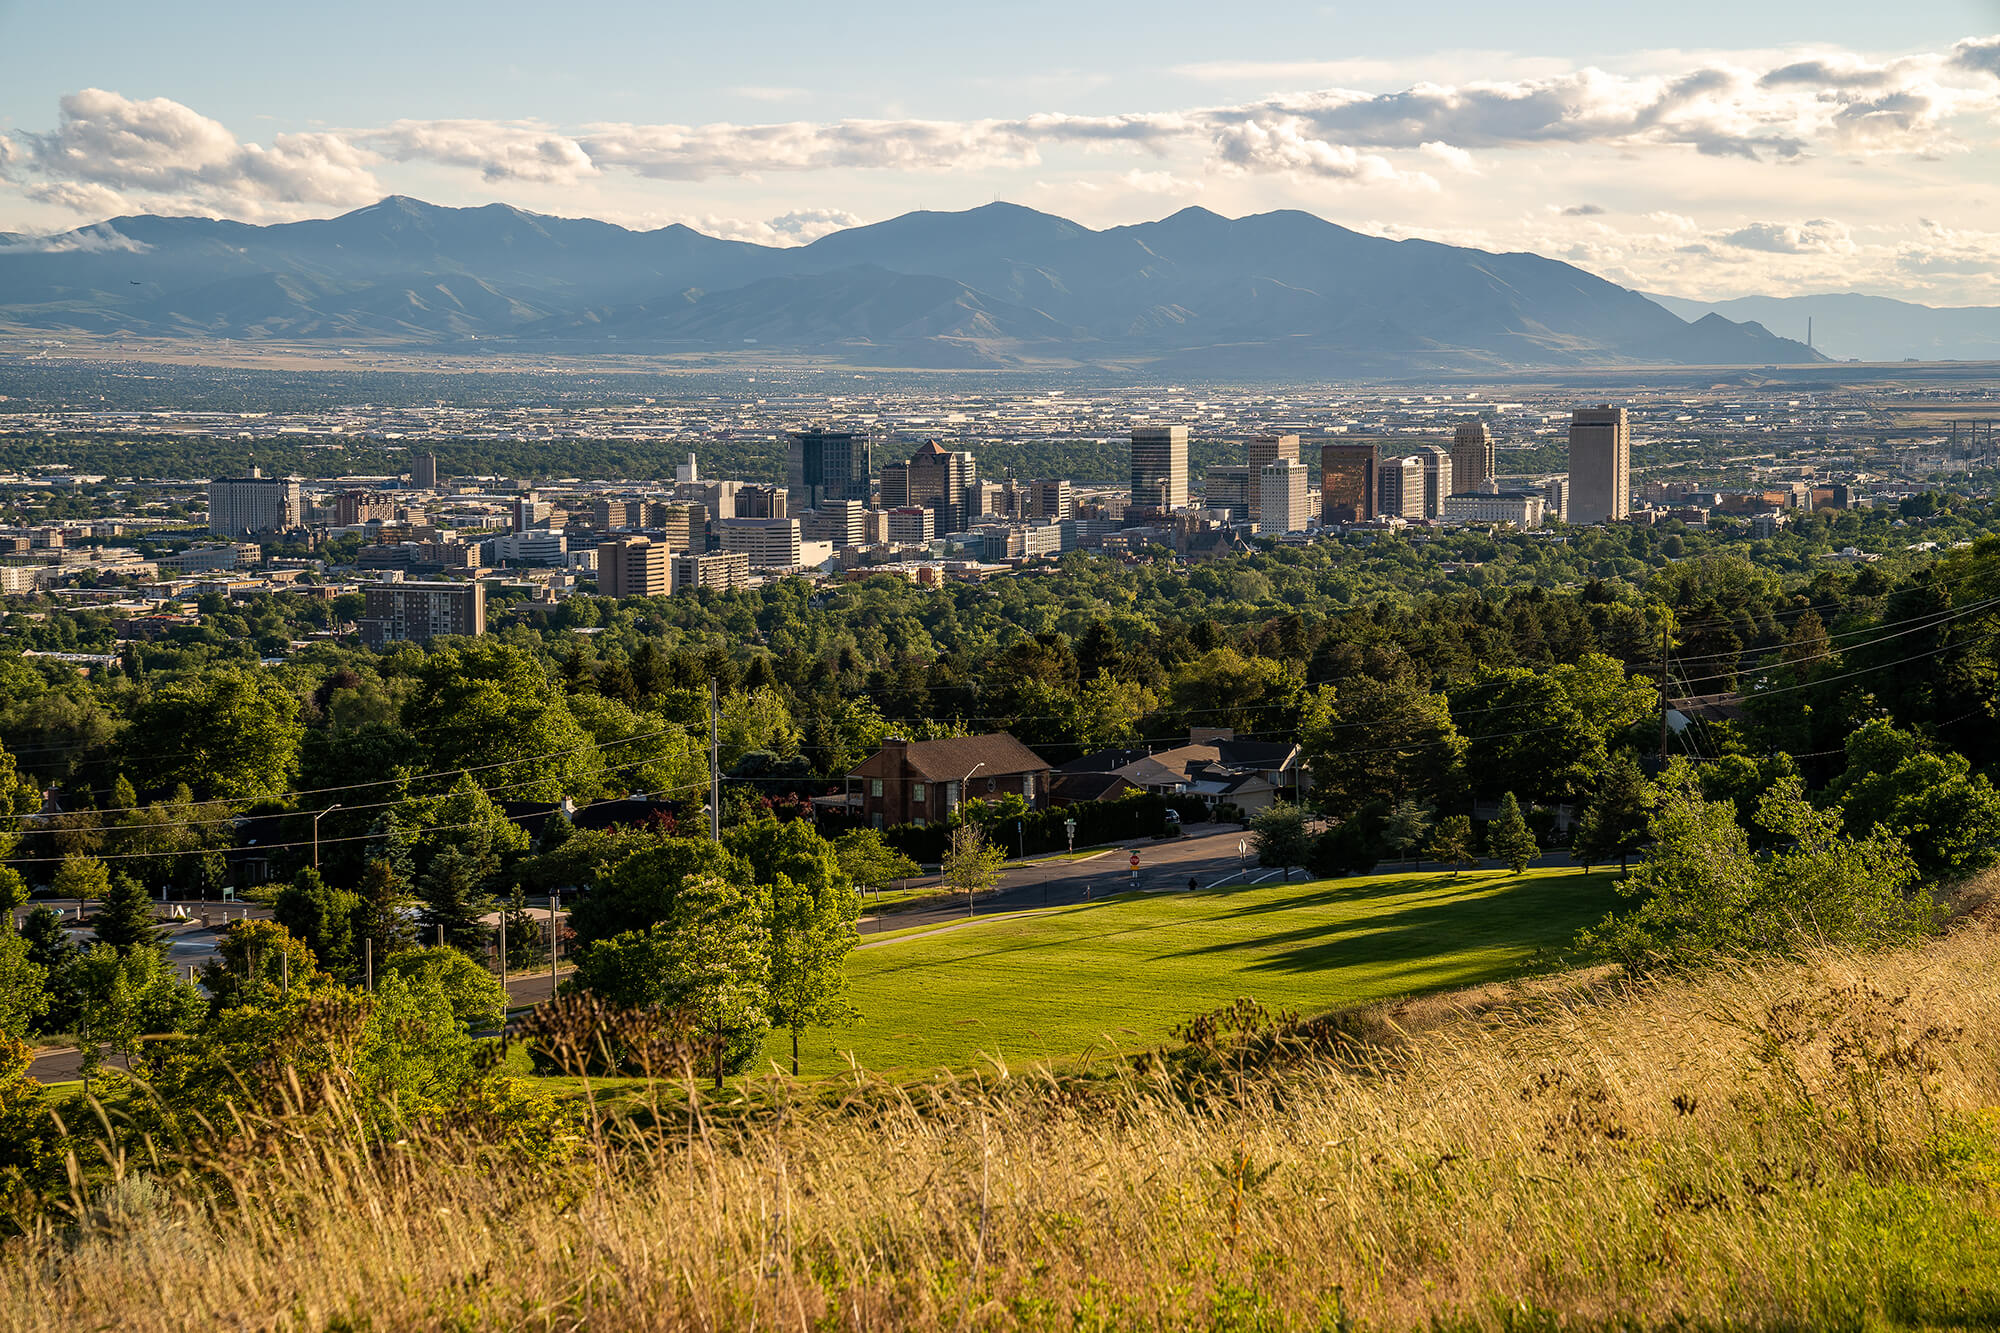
(1121, 974)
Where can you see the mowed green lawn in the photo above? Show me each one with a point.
(1122, 973)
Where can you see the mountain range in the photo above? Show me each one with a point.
(1274, 294)
(1864, 328)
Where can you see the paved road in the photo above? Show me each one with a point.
(1206, 853)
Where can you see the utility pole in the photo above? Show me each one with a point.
(1663, 693)
(368, 963)
(714, 764)
(555, 896)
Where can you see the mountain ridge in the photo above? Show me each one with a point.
(1283, 293)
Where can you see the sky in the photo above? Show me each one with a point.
(1700, 149)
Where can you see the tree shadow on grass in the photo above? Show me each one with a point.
(1518, 914)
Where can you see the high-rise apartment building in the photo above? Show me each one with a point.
(725, 571)
(1438, 478)
(424, 472)
(825, 465)
(1600, 465)
(769, 543)
(1348, 477)
(1263, 451)
(634, 567)
(842, 522)
(1159, 467)
(247, 506)
(419, 612)
(1282, 503)
(1400, 490)
(1228, 488)
(1471, 456)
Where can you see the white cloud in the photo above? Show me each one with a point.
(1455, 158)
(1287, 144)
(159, 147)
(101, 239)
(809, 224)
(1819, 236)
(499, 151)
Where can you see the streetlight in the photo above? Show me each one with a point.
(316, 818)
(967, 778)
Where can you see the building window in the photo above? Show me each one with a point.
(918, 822)
(917, 792)
(874, 786)
(1028, 786)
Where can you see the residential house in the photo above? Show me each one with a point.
(1214, 766)
(919, 782)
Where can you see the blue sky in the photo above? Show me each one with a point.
(1706, 149)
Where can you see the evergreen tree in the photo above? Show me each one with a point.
(1614, 822)
(125, 920)
(1451, 842)
(1406, 825)
(322, 916)
(456, 895)
(382, 917)
(51, 949)
(1509, 839)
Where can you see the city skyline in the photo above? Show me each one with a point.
(1789, 151)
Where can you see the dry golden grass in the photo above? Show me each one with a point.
(1788, 1147)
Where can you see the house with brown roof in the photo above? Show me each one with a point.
(921, 782)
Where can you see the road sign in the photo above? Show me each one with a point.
(1135, 860)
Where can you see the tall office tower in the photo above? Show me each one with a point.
(1471, 456)
(686, 474)
(1265, 450)
(1228, 487)
(1438, 478)
(938, 479)
(1401, 488)
(679, 527)
(419, 612)
(610, 514)
(424, 472)
(1347, 481)
(770, 543)
(1053, 501)
(912, 525)
(761, 502)
(895, 485)
(634, 567)
(529, 512)
(1282, 497)
(245, 506)
(1600, 465)
(1159, 467)
(825, 465)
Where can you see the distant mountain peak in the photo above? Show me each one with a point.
(1282, 293)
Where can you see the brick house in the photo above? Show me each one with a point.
(921, 782)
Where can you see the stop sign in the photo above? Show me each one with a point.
(1135, 860)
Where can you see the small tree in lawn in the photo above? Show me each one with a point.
(811, 936)
(1281, 837)
(382, 918)
(1614, 822)
(1509, 839)
(125, 919)
(870, 861)
(971, 865)
(1451, 842)
(718, 956)
(1405, 826)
